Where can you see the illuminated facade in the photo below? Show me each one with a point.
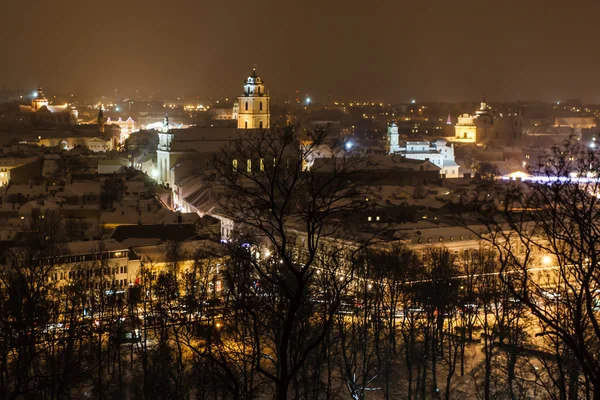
(166, 157)
(127, 127)
(473, 128)
(40, 100)
(254, 105)
(438, 152)
(392, 139)
(40, 111)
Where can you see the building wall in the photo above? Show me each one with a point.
(250, 115)
(24, 173)
(465, 130)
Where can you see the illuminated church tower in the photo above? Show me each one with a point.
(254, 105)
(392, 139)
(164, 155)
(39, 100)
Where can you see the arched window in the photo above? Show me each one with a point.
(248, 165)
(234, 165)
(262, 164)
(260, 124)
(246, 106)
(260, 106)
(246, 125)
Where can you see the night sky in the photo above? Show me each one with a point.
(435, 50)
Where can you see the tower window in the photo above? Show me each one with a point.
(249, 165)
(260, 124)
(246, 106)
(262, 164)
(260, 106)
(234, 165)
(246, 124)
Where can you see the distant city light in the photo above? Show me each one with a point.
(154, 173)
(35, 94)
(349, 145)
(308, 100)
(413, 101)
(118, 109)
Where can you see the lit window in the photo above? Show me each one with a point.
(249, 165)
(262, 164)
(234, 165)
(377, 218)
(274, 162)
(218, 286)
(369, 219)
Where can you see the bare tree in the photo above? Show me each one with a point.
(295, 207)
(546, 234)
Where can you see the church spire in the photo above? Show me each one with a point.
(101, 121)
(165, 127)
(483, 105)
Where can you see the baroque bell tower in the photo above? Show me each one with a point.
(39, 100)
(254, 104)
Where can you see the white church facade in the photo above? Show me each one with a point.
(181, 152)
(439, 152)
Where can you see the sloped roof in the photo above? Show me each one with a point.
(158, 253)
(177, 232)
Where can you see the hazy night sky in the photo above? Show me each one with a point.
(391, 50)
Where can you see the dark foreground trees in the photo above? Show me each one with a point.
(546, 233)
(292, 208)
(301, 305)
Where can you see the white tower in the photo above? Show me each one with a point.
(254, 105)
(392, 139)
(163, 153)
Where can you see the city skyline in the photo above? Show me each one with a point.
(346, 50)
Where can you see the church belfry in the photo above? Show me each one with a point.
(392, 139)
(163, 152)
(254, 104)
(39, 100)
